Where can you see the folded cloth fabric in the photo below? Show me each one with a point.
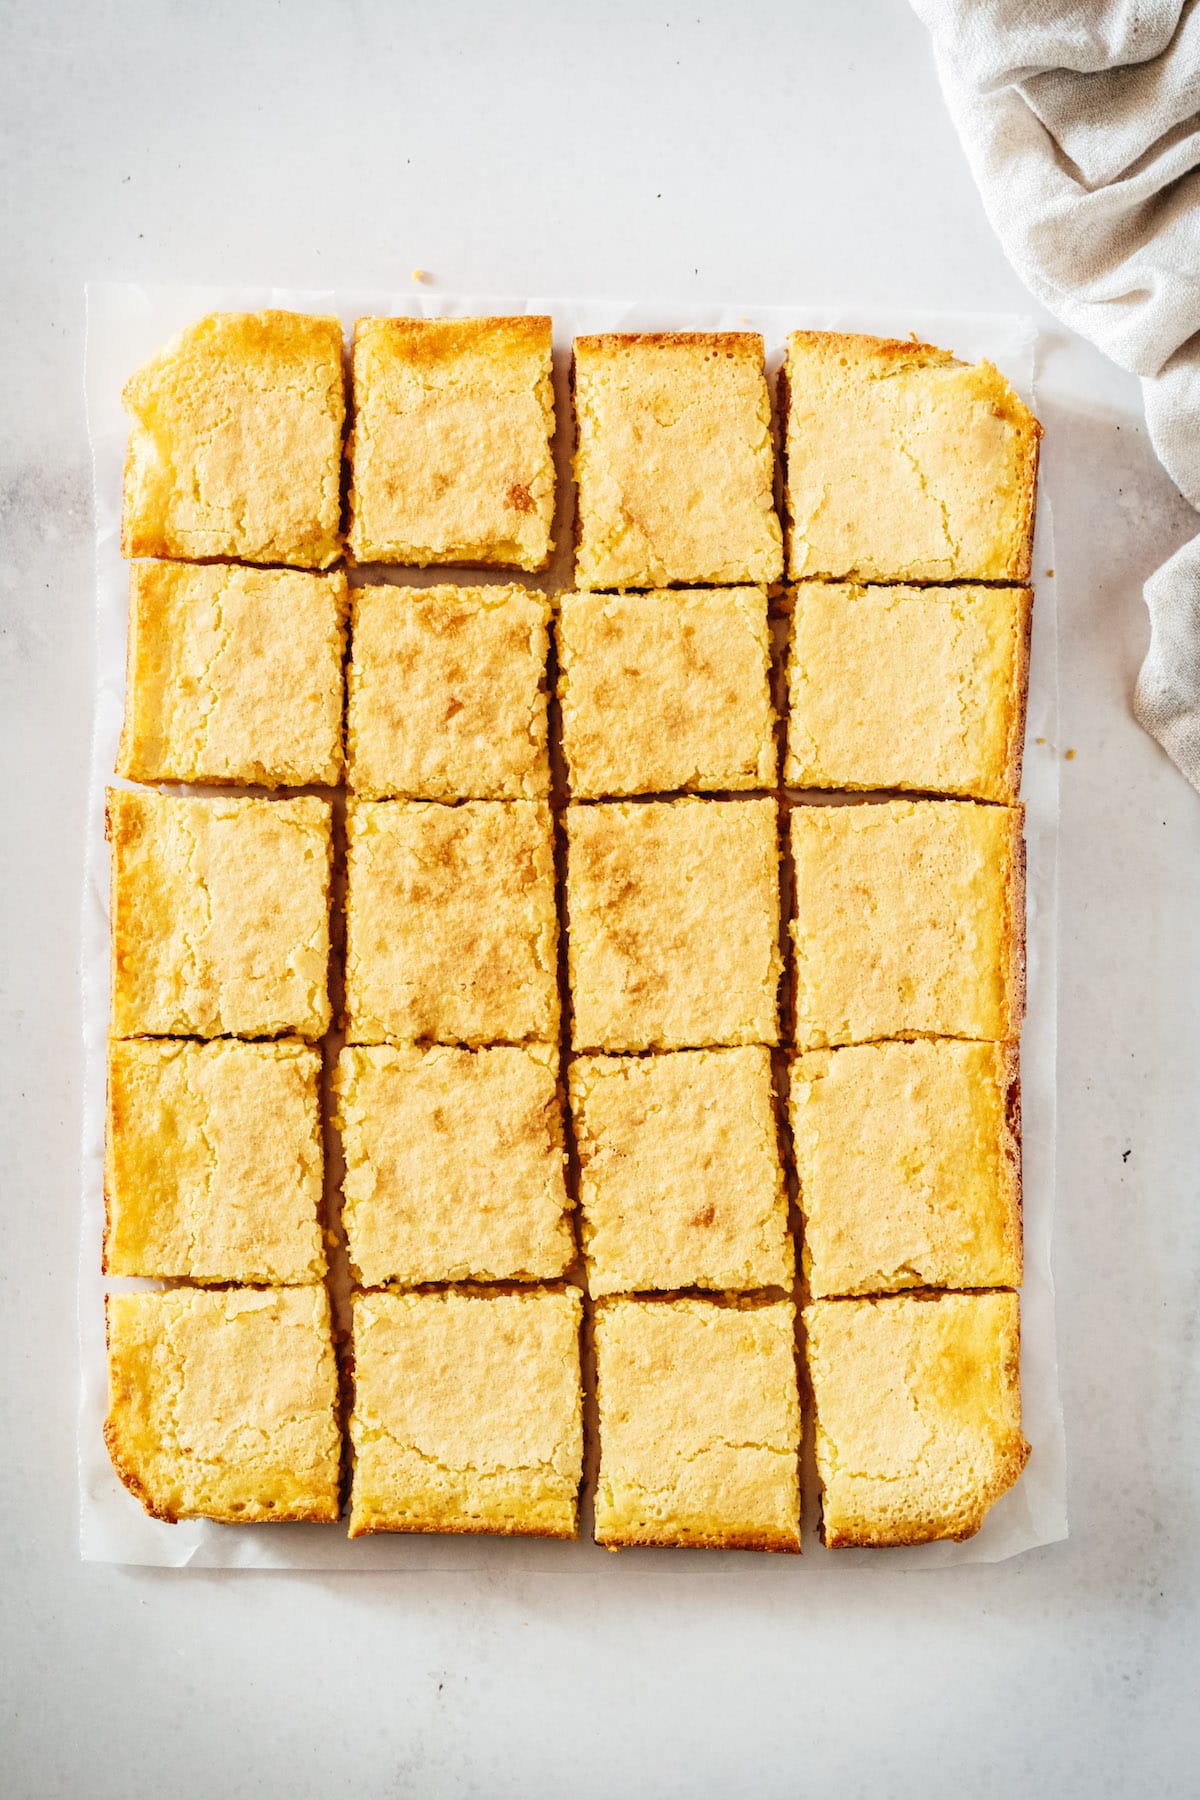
(1081, 123)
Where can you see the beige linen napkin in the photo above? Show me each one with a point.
(1081, 124)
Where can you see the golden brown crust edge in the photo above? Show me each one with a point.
(874, 349)
(1012, 1162)
(1014, 760)
(431, 338)
(603, 342)
(441, 562)
(775, 1543)
(1013, 968)
(440, 1528)
(124, 756)
(110, 1110)
(909, 1537)
(1027, 516)
(783, 407)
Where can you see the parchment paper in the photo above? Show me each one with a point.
(126, 323)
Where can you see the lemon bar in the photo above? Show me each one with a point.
(448, 693)
(904, 464)
(214, 1161)
(467, 1413)
(674, 923)
(918, 1413)
(454, 1164)
(909, 921)
(451, 456)
(674, 461)
(234, 675)
(902, 687)
(236, 445)
(680, 1181)
(220, 916)
(699, 1425)
(666, 691)
(910, 1166)
(451, 929)
(223, 1403)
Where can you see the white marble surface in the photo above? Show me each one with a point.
(793, 152)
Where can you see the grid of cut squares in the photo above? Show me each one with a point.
(699, 1424)
(907, 926)
(451, 456)
(214, 1162)
(455, 1167)
(468, 1413)
(917, 1400)
(447, 694)
(234, 675)
(680, 1179)
(666, 692)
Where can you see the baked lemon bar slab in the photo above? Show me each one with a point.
(903, 464)
(214, 1161)
(909, 921)
(220, 916)
(909, 1161)
(451, 928)
(467, 1413)
(674, 923)
(447, 693)
(902, 687)
(451, 457)
(236, 444)
(680, 1179)
(674, 461)
(664, 692)
(454, 1164)
(699, 1425)
(234, 675)
(918, 1413)
(223, 1404)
